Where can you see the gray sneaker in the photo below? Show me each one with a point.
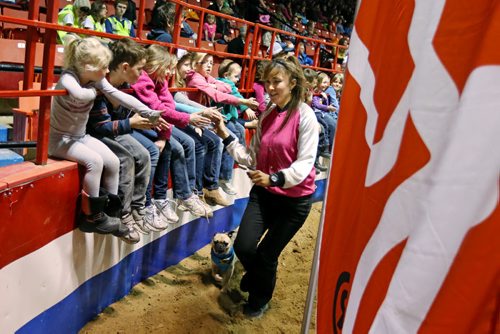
(132, 237)
(194, 205)
(141, 217)
(165, 209)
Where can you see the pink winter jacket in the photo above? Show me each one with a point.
(221, 94)
(157, 97)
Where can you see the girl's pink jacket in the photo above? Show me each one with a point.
(221, 94)
(157, 97)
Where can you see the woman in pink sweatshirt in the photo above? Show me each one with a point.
(280, 160)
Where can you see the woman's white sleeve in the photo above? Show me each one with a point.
(307, 149)
(246, 156)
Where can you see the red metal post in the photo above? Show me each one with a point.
(255, 52)
(244, 62)
(271, 46)
(177, 24)
(201, 22)
(336, 57)
(298, 41)
(316, 54)
(31, 39)
(49, 50)
(140, 19)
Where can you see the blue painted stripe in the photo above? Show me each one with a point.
(93, 296)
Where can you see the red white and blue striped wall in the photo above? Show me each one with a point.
(54, 278)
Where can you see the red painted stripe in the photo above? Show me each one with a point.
(37, 206)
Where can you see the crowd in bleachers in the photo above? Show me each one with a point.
(134, 143)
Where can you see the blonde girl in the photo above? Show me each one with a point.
(85, 67)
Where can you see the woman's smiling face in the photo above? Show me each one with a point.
(279, 87)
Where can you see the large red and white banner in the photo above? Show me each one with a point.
(411, 239)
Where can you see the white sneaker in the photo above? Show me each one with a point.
(194, 205)
(227, 187)
(141, 217)
(208, 208)
(156, 224)
(165, 210)
(132, 237)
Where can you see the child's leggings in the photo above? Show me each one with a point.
(92, 154)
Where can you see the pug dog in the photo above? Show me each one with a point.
(223, 258)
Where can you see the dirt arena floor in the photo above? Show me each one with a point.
(184, 299)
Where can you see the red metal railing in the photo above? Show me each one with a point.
(51, 27)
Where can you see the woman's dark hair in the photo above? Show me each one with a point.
(166, 16)
(95, 10)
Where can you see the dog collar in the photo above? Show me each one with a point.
(222, 261)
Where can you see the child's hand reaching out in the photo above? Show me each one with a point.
(250, 103)
(250, 114)
(139, 122)
(162, 125)
(198, 120)
(213, 114)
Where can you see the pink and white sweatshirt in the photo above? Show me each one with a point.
(157, 96)
(221, 93)
(291, 150)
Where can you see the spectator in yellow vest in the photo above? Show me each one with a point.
(117, 24)
(74, 16)
(98, 13)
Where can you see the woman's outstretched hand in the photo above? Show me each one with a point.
(259, 178)
(217, 120)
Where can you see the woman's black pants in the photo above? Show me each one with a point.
(281, 217)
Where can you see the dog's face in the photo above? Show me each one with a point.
(222, 242)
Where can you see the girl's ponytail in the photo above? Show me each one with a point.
(87, 54)
(69, 54)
